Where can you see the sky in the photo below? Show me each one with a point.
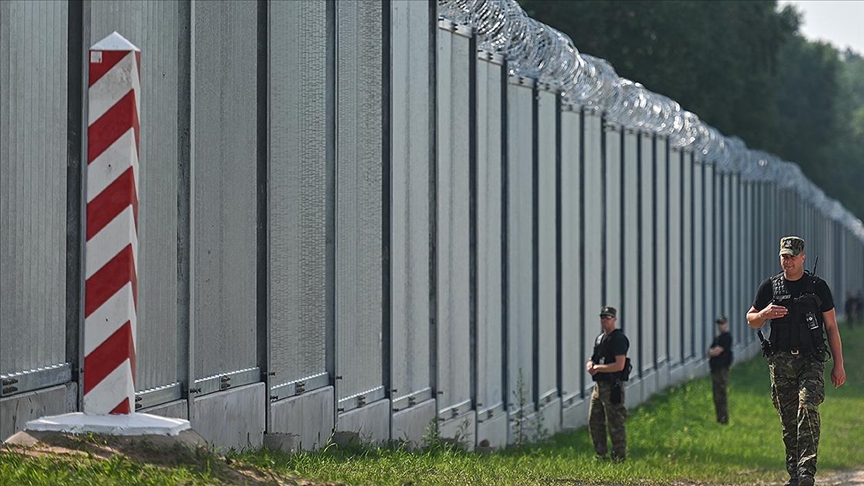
(840, 22)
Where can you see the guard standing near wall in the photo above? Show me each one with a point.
(608, 368)
(801, 310)
(720, 353)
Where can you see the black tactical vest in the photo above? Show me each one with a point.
(801, 329)
(604, 354)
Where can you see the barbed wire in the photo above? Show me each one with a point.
(535, 50)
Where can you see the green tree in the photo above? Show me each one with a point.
(820, 100)
(806, 96)
(846, 159)
(717, 59)
(743, 67)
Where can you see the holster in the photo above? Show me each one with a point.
(766, 345)
(616, 392)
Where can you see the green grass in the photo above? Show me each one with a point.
(671, 439)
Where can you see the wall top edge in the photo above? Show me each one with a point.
(492, 57)
(450, 26)
(522, 81)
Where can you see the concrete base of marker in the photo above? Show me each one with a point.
(32, 439)
(133, 424)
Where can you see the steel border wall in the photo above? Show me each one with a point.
(354, 285)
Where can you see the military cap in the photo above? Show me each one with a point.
(791, 245)
(608, 311)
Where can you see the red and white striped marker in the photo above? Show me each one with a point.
(111, 289)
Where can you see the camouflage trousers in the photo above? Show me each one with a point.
(797, 389)
(602, 413)
(719, 382)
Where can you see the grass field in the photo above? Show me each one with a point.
(672, 439)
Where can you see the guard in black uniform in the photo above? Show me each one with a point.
(801, 310)
(609, 368)
(720, 361)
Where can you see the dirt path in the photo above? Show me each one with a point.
(845, 478)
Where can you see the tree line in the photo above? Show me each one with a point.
(743, 68)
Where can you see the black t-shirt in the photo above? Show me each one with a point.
(724, 359)
(606, 348)
(795, 288)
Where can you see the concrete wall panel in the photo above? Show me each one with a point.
(613, 220)
(308, 417)
(490, 233)
(412, 115)
(17, 410)
(300, 194)
(33, 159)
(520, 268)
(233, 418)
(688, 230)
(648, 285)
(547, 252)
(572, 279)
(676, 257)
(661, 253)
(176, 409)
(453, 231)
(592, 242)
(359, 203)
(697, 325)
(630, 316)
(371, 423)
(492, 431)
(224, 188)
(411, 425)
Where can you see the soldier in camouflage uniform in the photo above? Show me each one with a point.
(801, 310)
(607, 369)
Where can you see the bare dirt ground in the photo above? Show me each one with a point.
(845, 478)
(155, 450)
(842, 478)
